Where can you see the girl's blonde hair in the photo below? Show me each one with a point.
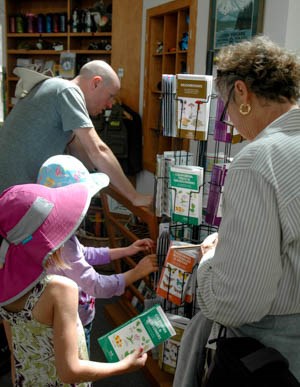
(55, 259)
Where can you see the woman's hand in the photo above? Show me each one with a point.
(209, 243)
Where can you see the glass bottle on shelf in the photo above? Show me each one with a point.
(75, 21)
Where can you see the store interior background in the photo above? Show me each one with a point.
(280, 23)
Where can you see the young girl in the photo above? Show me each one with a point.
(41, 311)
(62, 170)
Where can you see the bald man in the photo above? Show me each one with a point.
(54, 113)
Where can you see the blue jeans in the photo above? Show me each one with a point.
(87, 331)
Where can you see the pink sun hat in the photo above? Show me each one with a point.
(35, 221)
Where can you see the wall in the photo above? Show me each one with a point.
(276, 13)
(284, 14)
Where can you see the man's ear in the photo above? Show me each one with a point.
(97, 81)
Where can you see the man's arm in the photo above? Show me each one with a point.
(105, 161)
(75, 149)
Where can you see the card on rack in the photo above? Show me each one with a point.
(163, 164)
(168, 110)
(193, 96)
(214, 202)
(186, 194)
(222, 131)
(169, 350)
(146, 292)
(175, 280)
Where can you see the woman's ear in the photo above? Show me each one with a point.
(241, 91)
(240, 87)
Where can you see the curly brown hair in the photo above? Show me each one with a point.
(269, 71)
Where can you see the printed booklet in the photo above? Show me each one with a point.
(186, 194)
(169, 350)
(147, 330)
(176, 282)
(193, 105)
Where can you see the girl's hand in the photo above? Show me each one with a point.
(147, 265)
(145, 245)
(135, 361)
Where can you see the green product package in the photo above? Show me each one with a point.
(146, 330)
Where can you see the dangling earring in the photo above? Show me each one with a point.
(245, 109)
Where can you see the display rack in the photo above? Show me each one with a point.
(123, 310)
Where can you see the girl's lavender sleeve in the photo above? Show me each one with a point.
(96, 255)
(81, 260)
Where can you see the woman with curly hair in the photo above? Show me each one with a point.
(252, 283)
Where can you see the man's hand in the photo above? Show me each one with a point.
(143, 200)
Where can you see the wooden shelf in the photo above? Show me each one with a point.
(36, 35)
(34, 52)
(89, 34)
(165, 23)
(92, 52)
(78, 42)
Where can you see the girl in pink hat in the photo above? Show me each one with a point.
(40, 311)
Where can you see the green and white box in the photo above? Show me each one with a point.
(146, 331)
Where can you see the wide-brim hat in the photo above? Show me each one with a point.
(61, 170)
(28, 79)
(35, 221)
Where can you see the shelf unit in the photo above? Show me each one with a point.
(166, 24)
(24, 44)
(122, 310)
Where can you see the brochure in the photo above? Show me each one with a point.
(178, 274)
(215, 203)
(193, 105)
(186, 193)
(169, 350)
(224, 132)
(146, 330)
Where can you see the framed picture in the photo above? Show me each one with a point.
(234, 20)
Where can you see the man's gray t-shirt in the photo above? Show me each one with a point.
(38, 127)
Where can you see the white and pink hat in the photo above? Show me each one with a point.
(35, 221)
